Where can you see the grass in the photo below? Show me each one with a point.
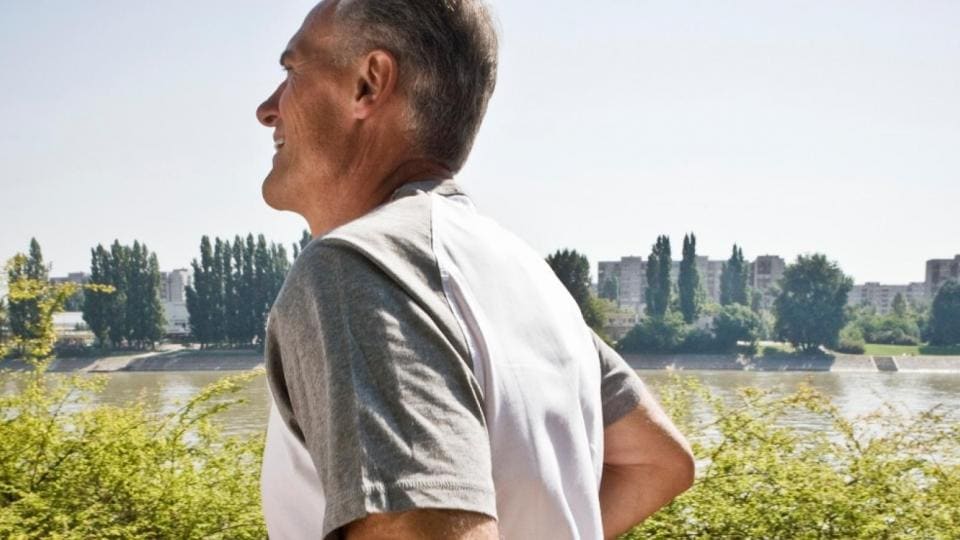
(875, 349)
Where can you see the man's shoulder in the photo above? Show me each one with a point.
(394, 240)
(400, 227)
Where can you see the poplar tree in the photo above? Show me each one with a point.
(218, 291)
(233, 300)
(154, 321)
(234, 288)
(199, 294)
(733, 279)
(96, 303)
(117, 306)
(305, 239)
(145, 320)
(262, 280)
(658, 278)
(248, 298)
(122, 302)
(690, 292)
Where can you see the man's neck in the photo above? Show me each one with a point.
(358, 196)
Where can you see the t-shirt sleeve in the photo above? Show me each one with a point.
(388, 409)
(621, 389)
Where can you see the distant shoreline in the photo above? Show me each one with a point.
(824, 363)
(242, 360)
(170, 360)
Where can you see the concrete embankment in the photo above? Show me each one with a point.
(169, 360)
(839, 362)
(226, 360)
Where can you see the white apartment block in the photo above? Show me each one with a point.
(631, 274)
(881, 296)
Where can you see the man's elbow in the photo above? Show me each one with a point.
(682, 469)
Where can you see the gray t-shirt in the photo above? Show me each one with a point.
(422, 357)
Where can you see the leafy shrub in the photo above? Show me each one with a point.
(655, 335)
(698, 340)
(851, 340)
(123, 472)
(888, 330)
(734, 323)
(885, 475)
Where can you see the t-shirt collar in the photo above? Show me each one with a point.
(441, 186)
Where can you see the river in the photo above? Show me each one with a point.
(855, 393)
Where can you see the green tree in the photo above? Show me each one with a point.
(117, 278)
(944, 326)
(573, 271)
(233, 301)
(153, 321)
(305, 239)
(218, 290)
(663, 334)
(690, 291)
(249, 296)
(200, 294)
(659, 286)
(23, 313)
(810, 306)
(610, 289)
(4, 329)
(35, 340)
(96, 303)
(735, 323)
(262, 280)
(733, 279)
(900, 307)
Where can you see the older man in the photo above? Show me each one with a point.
(430, 376)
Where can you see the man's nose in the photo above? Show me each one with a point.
(268, 111)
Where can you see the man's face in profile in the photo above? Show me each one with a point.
(308, 115)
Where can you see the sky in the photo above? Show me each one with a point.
(787, 127)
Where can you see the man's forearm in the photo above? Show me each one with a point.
(631, 493)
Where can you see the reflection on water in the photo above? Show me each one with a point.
(854, 393)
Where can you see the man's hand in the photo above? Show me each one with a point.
(646, 463)
(424, 524)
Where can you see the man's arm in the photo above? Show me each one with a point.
(646, 463)
(424, 524)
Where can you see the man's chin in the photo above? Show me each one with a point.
(272, 193)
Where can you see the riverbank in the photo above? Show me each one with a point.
(168, 359)
(186, 359)
(833, 363)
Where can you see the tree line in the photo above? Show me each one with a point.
(128, 311)
(234, 286)
(809, 308)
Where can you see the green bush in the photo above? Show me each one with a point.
(123, 472)
(734, 323)
(851, 340)
(655, 335)
(885, 475)
(888, 329)
(698, 340)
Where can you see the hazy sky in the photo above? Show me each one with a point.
(788, 127)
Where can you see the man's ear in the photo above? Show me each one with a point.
(376, 82)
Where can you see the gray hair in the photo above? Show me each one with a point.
(447, 56)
